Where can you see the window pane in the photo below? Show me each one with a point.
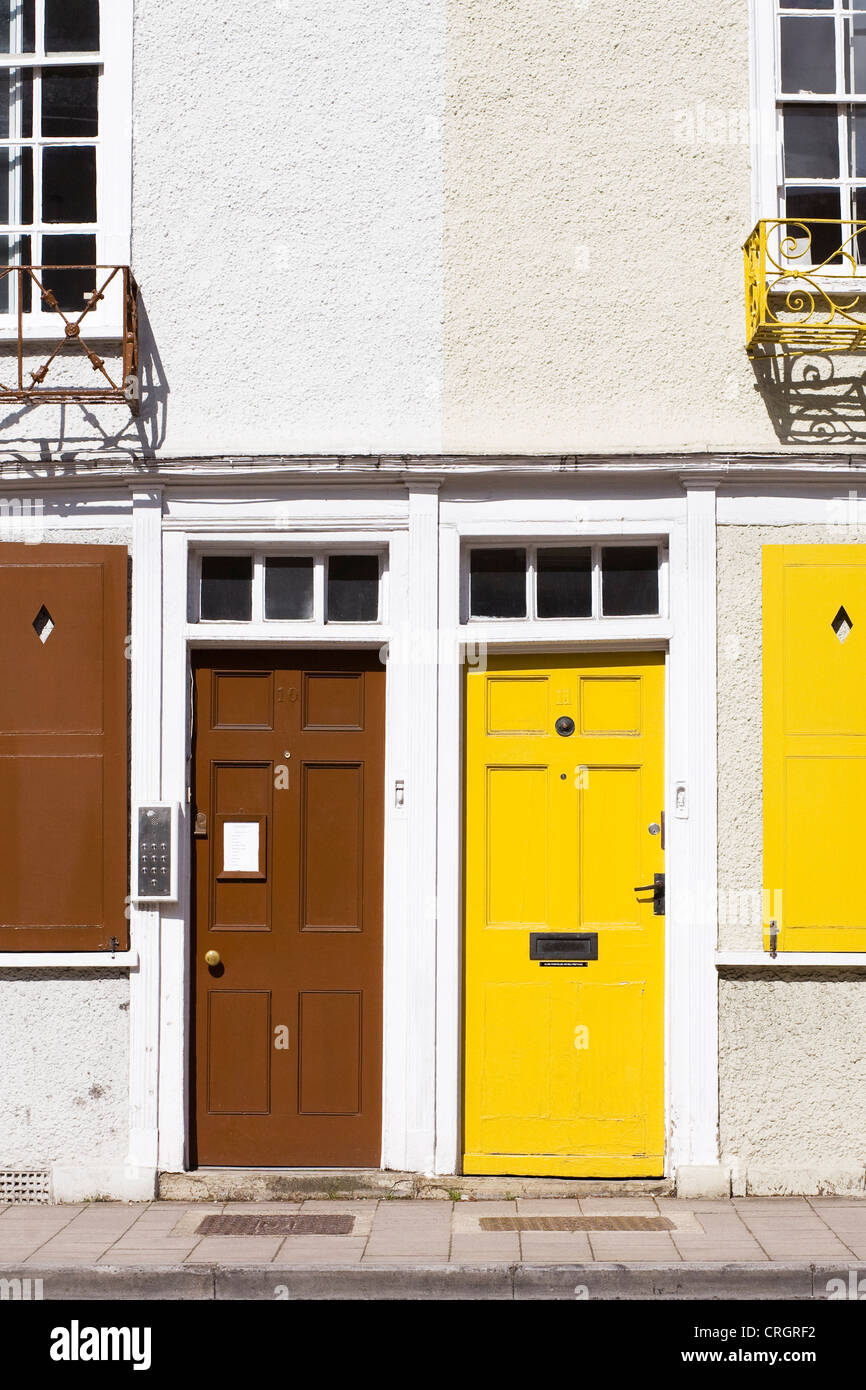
(16, 185)
(497, 584)
(855, 64)
(227, 587)
(69, 184)
(71, 26)
(808, 55)
(808, 4)
(17, 26)
(563, 583)
(289, 587)
(16, 102)
(71, 288)
(629, 580)
(857, 128)
(811, 141)
(353, 588)
(15, 251)
(860, 214)
(70, 101)
(807, 203)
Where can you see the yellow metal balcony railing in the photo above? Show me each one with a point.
(46, 347)
(806, 286)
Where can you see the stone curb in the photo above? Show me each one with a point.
(522, 1282)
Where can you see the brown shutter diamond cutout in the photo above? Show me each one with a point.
(43, 625)
(842, 625)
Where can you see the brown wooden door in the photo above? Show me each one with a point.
(289, 773)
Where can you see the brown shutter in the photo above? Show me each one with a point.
(63, 748)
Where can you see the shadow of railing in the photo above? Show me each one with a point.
(813, 397)
(82, 428)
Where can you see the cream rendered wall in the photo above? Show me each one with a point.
(792, 1066)
(597, 196)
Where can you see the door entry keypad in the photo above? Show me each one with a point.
(154, 851)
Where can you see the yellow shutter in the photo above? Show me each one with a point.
(815, 746)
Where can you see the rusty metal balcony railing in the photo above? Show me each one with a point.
(111, 306)
(806, 286)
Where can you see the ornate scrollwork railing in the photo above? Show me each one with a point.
(31, 353)
(806, 286)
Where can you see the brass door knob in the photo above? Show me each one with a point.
(212, 958)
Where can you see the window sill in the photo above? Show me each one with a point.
(52, 328)
(68, 960)
(821, 960)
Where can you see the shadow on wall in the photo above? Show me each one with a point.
(82, 430)
(814, 398)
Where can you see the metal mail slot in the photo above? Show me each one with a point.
(552, 945)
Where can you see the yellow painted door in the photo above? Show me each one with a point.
(564, 1062)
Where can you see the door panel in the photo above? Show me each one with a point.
(564, 1063)
(289, 773)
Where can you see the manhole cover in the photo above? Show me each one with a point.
(261, 1224)
(576, 1223)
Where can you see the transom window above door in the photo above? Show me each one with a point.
(821, 119)
(335, 587)
(563, 581)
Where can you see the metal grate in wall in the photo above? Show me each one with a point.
(24, 1186)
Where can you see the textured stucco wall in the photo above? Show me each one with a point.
(792, 1078)
(423, 225)
(64, 1082)
(288, 221)
(792, 1045)
(597, 194)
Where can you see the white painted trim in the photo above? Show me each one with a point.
(838, 502)
(116, 22)
(69, 960)
(409, 942)
(89, 1182)
(694, 995)
(418, 647)
(527, 635)
(174, 1017)
(145, 765)
(449, 855)
(763, 136)
(396, 1023)
(819, 960)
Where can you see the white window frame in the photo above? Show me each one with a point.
(768, 172)
(113, 230)
(582, 626)
(274, 628)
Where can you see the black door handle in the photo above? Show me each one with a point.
(658, 891)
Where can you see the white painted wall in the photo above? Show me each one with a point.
(64, 1082)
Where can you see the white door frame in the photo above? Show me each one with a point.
(688, 634)
(408, 631)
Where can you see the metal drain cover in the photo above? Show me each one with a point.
(272, 1224)
(576, 1223)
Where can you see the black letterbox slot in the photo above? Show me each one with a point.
(553, 945)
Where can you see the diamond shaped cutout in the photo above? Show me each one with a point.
(842, 625)
(43, 625)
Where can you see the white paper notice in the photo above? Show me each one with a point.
(240, 847)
